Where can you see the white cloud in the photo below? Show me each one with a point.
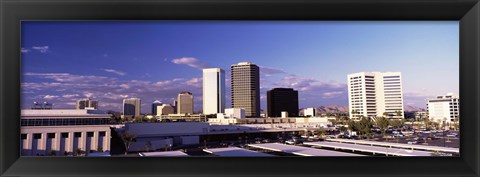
(268, 71)
(24, 50)
(332, 94)
(70, 95)
(41, 49)
(66, 77)
(88, 94)
(121, 73)
(190, 61)
(109, 90)
(195, 82)
(49, 97)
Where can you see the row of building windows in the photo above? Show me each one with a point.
(61, 122)
(63, 135)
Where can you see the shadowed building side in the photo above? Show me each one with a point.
(282, 99)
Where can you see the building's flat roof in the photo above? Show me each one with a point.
(236, 152)
(163, 154)
(299, 150)
(399, 145)
(371, 149)
(63, 112)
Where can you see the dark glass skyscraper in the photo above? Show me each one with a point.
(282, 99)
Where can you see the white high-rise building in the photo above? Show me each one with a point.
(213, 90)
(374, 94)
(443, 108)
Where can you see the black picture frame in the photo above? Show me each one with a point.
(467, 12)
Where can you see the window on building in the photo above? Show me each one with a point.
(77, 134)
(51, 135)
(89, 134)
(23, 136)
(37, 136)
(64, 135)
(102, 133)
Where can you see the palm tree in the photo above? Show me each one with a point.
(399, 113)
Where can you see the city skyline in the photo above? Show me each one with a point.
(67, 61)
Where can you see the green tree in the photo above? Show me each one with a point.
(385, 114)
(128, 139)
(352, 125)
(456, 122)
(321, 132)
(396, 123)
(382, 123)
(77, 151)
(398, 113)
(364, 126)
(52, 153)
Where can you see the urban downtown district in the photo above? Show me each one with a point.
(375, 124)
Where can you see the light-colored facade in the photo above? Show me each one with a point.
(238, 113)
(374, 94)
(131, 107)
(213, 90)
(165, 109)
(246, 88)
(309, 112)
(421, 115)
(444, 108)
(60, 132)
(185, 103)
(86, 103)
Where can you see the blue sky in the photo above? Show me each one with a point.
(155, 60)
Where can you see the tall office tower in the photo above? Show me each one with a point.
(443, 108)
(282, 99)
(131, 107)
(374, 94)
(246, 88)
(86, 103)
(213, 91)
(154, 106)
(185, 103)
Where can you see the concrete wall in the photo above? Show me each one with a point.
(158, 129)
(42, 146)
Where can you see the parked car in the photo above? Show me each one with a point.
(452, 135)
(412, 142)
(293, 141)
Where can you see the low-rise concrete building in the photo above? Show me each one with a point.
(63, 131)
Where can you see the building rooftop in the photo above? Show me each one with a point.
(244, 63)
(236, 152)
(60, 112)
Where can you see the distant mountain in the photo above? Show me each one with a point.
(332, 109)
(409, 108)
(329, 109)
